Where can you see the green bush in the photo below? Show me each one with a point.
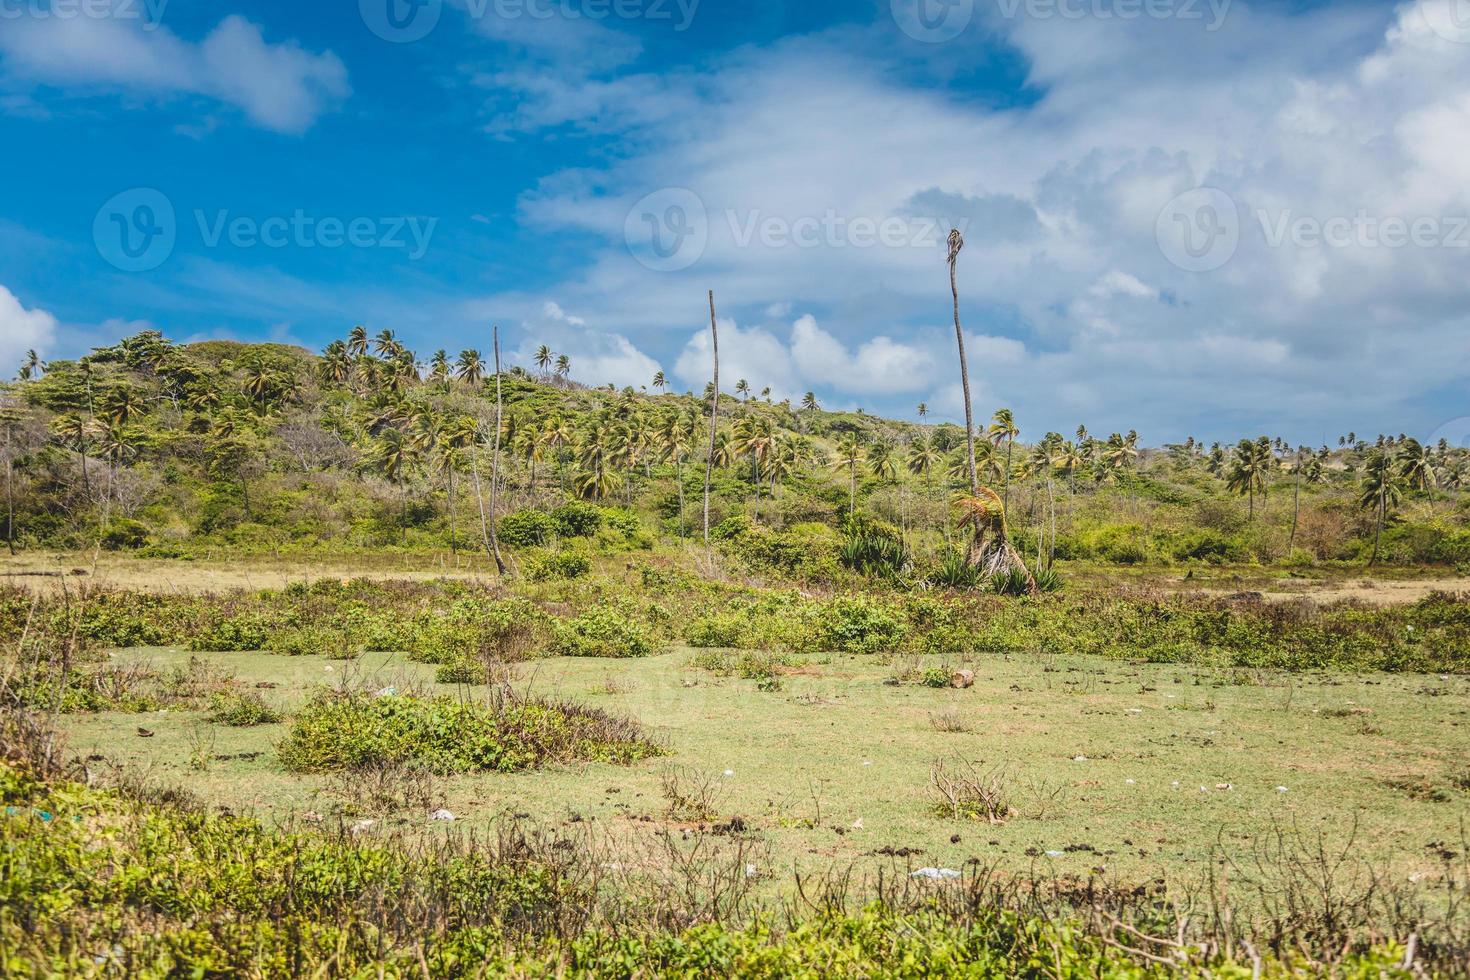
(475, 628)
(857, 624)
(123, 534)
(601, 633)
(339, 731)
(558, 565)
(241, 709)
(305, 641)
(247, 631)
(576, 520)
(526, 528)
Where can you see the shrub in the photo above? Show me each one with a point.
(305, 641)
(874, 554)
(601, 633)
(241, 709)
(341, 731)
(123, 534)
(560, 565)
(576, 520)
(713, 631)
(954, 572)
(477, 629)
(857, 624)
(248, 631)
(526, 528)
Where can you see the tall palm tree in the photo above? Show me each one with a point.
(1419, 468)
(439, 368)
(923, 410)
(882, 460)
(850, 454)
(563, 366)
(1379, 491)
(742, 388)
(470, 367)
(394, 456)
(956, 243)
(714, 410)
(544, 357)
(766, 394)
(31, 366)
(659, 381)
(384, 344)
(675, 439)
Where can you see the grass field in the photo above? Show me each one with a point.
(1107, 765)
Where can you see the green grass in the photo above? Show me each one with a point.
(1105, 758)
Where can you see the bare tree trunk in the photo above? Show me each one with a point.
(453, 540)
(1296, 505)
(495, 456)
(10, 487)
(959, 339)
(714, 414)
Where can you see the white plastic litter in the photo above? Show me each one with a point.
(441, 815)
(363, 825)
(387, 692)
(935, 874)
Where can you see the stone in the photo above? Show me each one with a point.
(962, 679)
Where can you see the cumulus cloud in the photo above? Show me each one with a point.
(598, 357)
(281, 86)
(1060, 199)
(22, 330)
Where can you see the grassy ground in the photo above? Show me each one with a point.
(1110, 765)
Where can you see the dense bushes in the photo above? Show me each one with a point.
(170, 891)
(601, 633)
(339, 731)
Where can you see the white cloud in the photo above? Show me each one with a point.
(281, 86)
(598, 357)
(22, 330)
(880, 366)
(1062, 197)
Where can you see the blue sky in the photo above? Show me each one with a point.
(1203, 217)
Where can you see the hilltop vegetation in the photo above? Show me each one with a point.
(181, 450)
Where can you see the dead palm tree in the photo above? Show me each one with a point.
(956, 243)
(714, 412)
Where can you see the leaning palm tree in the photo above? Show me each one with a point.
(659, 381)
(31, 366)
(563, 366)
(357, 341)
(990, 550)
(1379, 492)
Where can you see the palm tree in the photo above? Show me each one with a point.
(850, 454)
(439, 367)
(1419, 468)
(384, 344)
(1003, 428)
(659, 381)
(957, 242)
(714, 410)
(544, 357)
(1379, 491)
(357, 342)
(1248, 469)
(809, 402)
(31, 366)
(766, 394)
(336, 365)
(742, 388)
(122, 404)
(563, 366)
(470, 367)
(674, 440)
(923, 410)
(75, 433)
(882, 460)
(394, 457)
